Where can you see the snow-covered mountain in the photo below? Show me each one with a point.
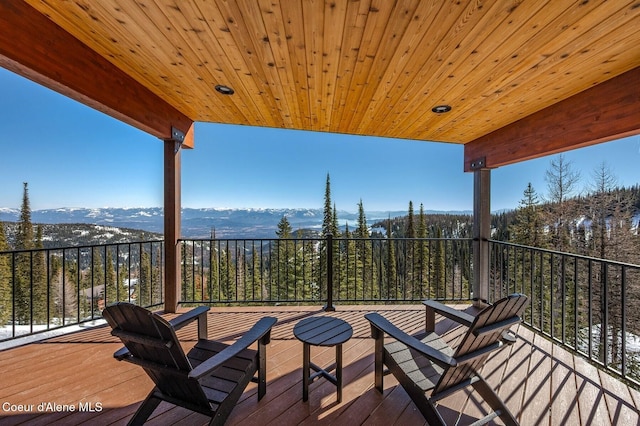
(196, 222)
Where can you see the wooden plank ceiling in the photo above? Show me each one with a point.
(377, 67)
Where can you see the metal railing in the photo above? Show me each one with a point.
(325, 270)
(47, 289)
(584, 304)
(588, 305)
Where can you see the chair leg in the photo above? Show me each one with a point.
(379, 359)
(262, 369)
(146, 408)
(494, 401)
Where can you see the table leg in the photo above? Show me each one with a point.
(339, 371)
(306, 360)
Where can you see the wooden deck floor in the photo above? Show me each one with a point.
(541, 383)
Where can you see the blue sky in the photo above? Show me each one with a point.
(73, 156)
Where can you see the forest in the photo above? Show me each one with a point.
(548, 247)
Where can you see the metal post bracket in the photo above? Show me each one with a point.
(478, 163)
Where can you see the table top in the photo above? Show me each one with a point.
(323, 331)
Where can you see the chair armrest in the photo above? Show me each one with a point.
(183, 319)
(260, 331)
(434, 307)
(121, 354)
(383, 325)
(199, 313)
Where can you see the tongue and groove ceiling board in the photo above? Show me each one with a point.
(377, 67)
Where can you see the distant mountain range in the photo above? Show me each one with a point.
(201, 222)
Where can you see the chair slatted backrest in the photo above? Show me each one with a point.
(485, 332)
(153, 344)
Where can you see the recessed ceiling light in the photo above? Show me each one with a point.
(441, 109)
(225, 90)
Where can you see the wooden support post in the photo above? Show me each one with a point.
(172, 219)
(481, 234)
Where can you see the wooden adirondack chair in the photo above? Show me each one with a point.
(431, 365)
(209, 379)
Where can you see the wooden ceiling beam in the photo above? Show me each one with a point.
(608, 111)
(33, 46)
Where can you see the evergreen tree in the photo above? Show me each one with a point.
(258, 288)
(391, 282)
(156, 271)
(5, 279)
(239, 272)
(527, 228)
(188, 274)
(285, 273)
(112, 291)
(410, 232)
(227, 274)
(213, 288)
(365, 278)
(144, 280)
(410, 247)
(97, 277)
(438, 266)
(23, 277)
(422, 254)
(329, 225)
(67, 296)
(40, 285)
(311, 290)
(348, 288)
(335, 230)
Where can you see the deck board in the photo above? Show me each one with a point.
(540, 382)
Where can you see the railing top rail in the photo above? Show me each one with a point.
(323, 238)
(86, 246)
(574, 255)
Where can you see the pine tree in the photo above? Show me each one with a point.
(112, 292)
(422, 254)
(5, 279)
(23, 279)
(156, 271)
(527, 228)
(328, 224)
(40, 285)
(67, 295)
(227, 274)
(391, 283)
(188, 274)
(438, 266)
(96, 277)
(239, 269)
(285, 272)
(310, 291)
(213, 288)
(365, 278)
(257, 289)
(348, 267)
(144, 280)
(410, 248)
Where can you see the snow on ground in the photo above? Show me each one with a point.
(41, 332)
